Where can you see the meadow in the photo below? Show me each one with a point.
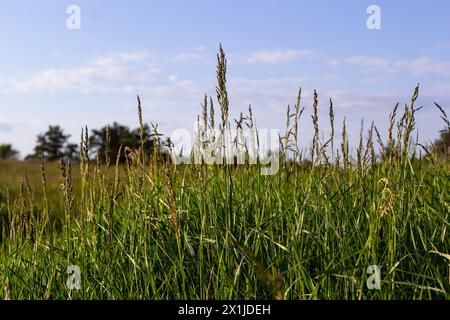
(152, 229)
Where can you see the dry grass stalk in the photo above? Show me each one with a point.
(315, 118)
(331, 115)
(221, 89)
(345, 146)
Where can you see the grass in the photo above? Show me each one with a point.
(156, 230)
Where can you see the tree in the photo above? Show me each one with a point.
(442, 145)
(120, 135)
(8, 152)
(71, 152)
(53, 145)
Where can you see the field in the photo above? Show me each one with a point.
(151, 229)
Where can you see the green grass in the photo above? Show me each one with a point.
(149, 230)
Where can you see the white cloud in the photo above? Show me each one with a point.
(199, 53)
(333, 62)
(188, 56)
(179, 89)
(121, 73)
(133, 56)
(278, 56)
(371, 62)
(418, 66)
(191, 56)
(267, 82)
(172, 78)
(354, 99)
(106, 73)
(426, 66)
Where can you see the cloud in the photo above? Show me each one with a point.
(133, 56)
(278, 56)
(189, 56)
(426, 66)
(418, 66)
(333, 62)
(267, 82)
(354, 99)
(125, 73)
(200, 53)
(272, 92)
(176, 90)
(103, 74)
(371, 62)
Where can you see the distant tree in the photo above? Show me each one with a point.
(120, 135)
(53, 145)
(442, 145)
(71, 152)
(8, 152)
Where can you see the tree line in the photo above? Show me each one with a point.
(112, 140)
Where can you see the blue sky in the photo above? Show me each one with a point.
(165, 52)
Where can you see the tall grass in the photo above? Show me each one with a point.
(151, 229)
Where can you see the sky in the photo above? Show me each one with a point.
(165, 51)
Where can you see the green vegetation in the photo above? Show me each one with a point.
(7, 152)
(151, 229)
